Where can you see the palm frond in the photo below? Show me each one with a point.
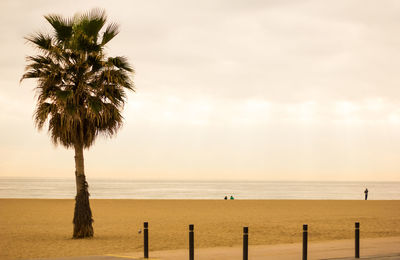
(91, 22)
(36, 66)
(40, 41)
(121, 63)
(42, 112)
(62, 26)
(111, 31)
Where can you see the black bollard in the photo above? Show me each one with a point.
(245, 243)
(357, 240)
(146, 239)
(191, 242)
(305, 242)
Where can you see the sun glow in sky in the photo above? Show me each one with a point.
(226, 90)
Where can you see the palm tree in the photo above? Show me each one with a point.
(80, 92)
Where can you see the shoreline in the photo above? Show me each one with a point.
(119, 189)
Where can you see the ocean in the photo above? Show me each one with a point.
(132, 189)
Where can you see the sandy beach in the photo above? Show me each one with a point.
(33, 228)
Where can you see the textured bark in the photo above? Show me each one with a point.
(83, 214)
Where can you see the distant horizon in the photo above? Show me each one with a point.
(188, 180)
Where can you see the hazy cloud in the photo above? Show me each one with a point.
(238, 88)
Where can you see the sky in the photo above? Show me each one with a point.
(225, 90)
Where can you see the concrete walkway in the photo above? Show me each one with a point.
(377, 248)
(381, 257)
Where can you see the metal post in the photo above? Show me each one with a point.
(305, 242)
(357, 240)
(146, 239)
(245, 243)
(191, 242)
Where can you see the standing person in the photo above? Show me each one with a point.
(366, 193)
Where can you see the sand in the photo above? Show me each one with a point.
(32, 228)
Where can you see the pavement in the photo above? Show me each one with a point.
(380, 257)
(372, 249)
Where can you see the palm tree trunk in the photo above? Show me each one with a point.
(83, 214)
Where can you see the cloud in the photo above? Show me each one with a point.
(234, 84)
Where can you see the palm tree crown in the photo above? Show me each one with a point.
(80, 91)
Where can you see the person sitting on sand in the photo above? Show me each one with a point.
(232, 198)
(226, 197)
(366, 193)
